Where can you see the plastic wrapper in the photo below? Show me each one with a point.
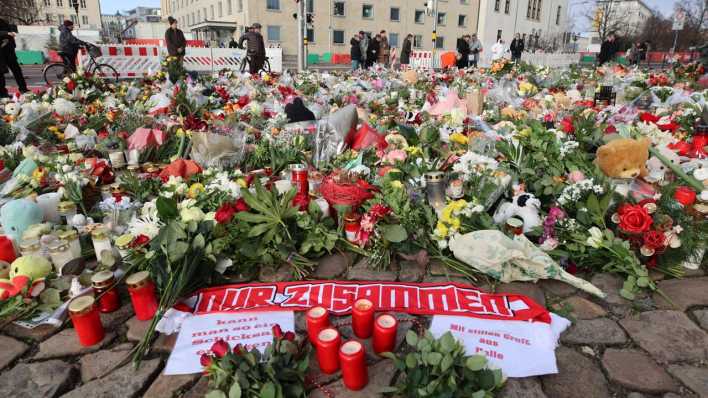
(505, 92)
(332, 132)
(225, 149)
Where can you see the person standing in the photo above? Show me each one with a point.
(174, 40)
(643, 50)
(608, 50)
(355, 51)
(384, 49)
(9, 57)
(498, 50)
(5, 35)
(406, 50)
(372, 52)
(633, 54)
(516, 48)
(463, 52)
(255, 48)
(68, 43)
(364, 48)
(475, 49)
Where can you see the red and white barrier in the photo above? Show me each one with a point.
(128, 61)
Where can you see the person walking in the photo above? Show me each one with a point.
(463, 52)
(633, 54)
(384, 49)
(406, 50)
(232, 43)
(643, 50)
(608, 50)
(255, 48)
(498, 50)
(355, 51)
(9, 57)
(372, 52)
(364, 48)
(516, 48)
(174, 40)
(5, 35)
(475, 49)
(69, 44)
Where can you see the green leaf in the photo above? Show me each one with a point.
(235, 390)
(447, 342)
(643, 281)
(50, 296)
(268, 390)
(411, 361)
(447, 361)
(252, 218)
(434, 358)
(476, 362)
(215, 394)
(259, 229)
(389, 355)
(593, 204)
(479, 394)
(167, 208)
(411, 338)
(177, 250)
(199, 242)
(394, 233)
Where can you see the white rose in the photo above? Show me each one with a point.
(595, 238)
(192, 214)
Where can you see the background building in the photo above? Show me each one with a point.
(54, 12)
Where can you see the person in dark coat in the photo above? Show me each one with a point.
(406, 50)
(4, 36)
(298, 112)
(355, 51)
(643, 50)
(69, 44)
(463, 51)
(255, 48)
(174, 40)
(608, 50)
(232, 43)
(9, 57)
(372, 52)
(516, 48)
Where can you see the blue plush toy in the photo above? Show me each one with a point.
(17, 215)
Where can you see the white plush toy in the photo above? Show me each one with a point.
(657, 169)
(525, 206)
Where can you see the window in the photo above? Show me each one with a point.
(311, 6)
(367, 11)
(199, 16)
(240, 6)
(419, 16)
(229, 7)
(221, 10)
(395, 14)
(74, 18)
(338, 10)
(439, 42)
(273, 33)
(49, 18)
(47, 3)
(462, 20)
(538, 10)
(193, 21)
(499, 34)
(338, 36)
(272, 4)
(464, 1)
(496, 5)
(60, 3)
(507, 6)
(558, 16)
(84, 20)
(393, 39)
(442, 18)
(533, 10)
(528, 10)
(205, 14)
(418, 41)
(82, 3)
(310, 35)
(60, 18)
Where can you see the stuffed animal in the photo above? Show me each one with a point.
(525, 206)
(624, 158)
(17, 215)
(656, 169)
(27, 275)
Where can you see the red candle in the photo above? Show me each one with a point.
(353, 362)
(328, 343)
(317, 321)
(299, 178)
(104, 288)
(385, 334)
(87, 322)
(363, 318)
(142, 295)
(685, 195)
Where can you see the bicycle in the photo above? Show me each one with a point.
(57, 71)
(246, 61)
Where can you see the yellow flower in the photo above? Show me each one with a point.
(525, 132)
(195, 190)
(38, 173)
(242, 183)
(397, 184)
(441, 230)
(414, 150)
(455, 223)
(459, 138)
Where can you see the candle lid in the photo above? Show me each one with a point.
(81, 305)
(434, 176)
(102, 279)
(514, 222)
(68, 234)
(133, 168)
(328, 335)
(386, 321)
(317, 312)
(137, 279)
(29, 244)
(363, 304)
(65, 206)
(105, 188)
(351, 348)
(99, 233)
(124, 241)
(298, 167)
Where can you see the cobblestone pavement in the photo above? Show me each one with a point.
(616, 348)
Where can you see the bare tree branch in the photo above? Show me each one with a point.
(21, 12)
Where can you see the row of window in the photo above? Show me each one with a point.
(533, 10)
(339, 37)
(60, 3)
(176, 4)
(60, 18)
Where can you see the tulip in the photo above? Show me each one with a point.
(277, 332)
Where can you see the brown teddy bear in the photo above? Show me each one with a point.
(624, 158)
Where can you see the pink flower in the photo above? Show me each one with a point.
(576, 176)
(397, 155)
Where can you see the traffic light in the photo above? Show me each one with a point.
(309, 18)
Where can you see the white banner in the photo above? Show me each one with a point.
(518, 348)
(199, 332)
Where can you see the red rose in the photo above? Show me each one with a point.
(243, 101)
(611, 129)
(205, 360)
(648, 117)
(241, 205)
(655, 240)
(238, 349)
(220, 348)
(567, 125)
(140, 241)
(634, 219)
(277, 332)
(225, 213)
(71, 85)
(685, 195)
(289, 336)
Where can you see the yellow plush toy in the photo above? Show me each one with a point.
(624, 158)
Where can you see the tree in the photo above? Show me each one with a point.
(21, 12)
(610, 16)
(694, 28)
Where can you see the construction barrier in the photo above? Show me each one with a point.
(215, 59)
(25, 57)
(160, 42)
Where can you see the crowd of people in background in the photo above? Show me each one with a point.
(366, 50)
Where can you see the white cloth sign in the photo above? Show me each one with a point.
(518, 348)
(199, 332)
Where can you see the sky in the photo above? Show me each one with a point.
(578, 10)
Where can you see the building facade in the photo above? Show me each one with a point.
(334, 21)
(54, 12)
(625, 17)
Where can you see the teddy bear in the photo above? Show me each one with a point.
(624, 158)
(17, 215)
(525, 206)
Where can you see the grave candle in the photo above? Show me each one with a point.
(353, 362)
(87, 322)
(328, 343)
(317, 320)
(385, 334)
(363, 318)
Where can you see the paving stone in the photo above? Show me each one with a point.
(164, 343)
(101, 363)
(361, 271)
(46, 379)
(557, 288)
(168, 386)
(65, 344)
(411, 271)
(136, 329)
(671, 395)
(635, 370)
(333, 265)
(405, 323)
(527, 387)
(602, 331)
(693, 377)
(456, 279)
(10, 349)
(702, 318)
(610, 284)
(380, 376)
(636, 395)
(118, 317)
(123, 382)
(300, 321)
(199, 390)
(577, 376)
(315, 373)
(271, 274)
(582, 308)
(40, 333)
(438, 268)
(528, 289)
(668, 336)
(683, 293)
(691, 273)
